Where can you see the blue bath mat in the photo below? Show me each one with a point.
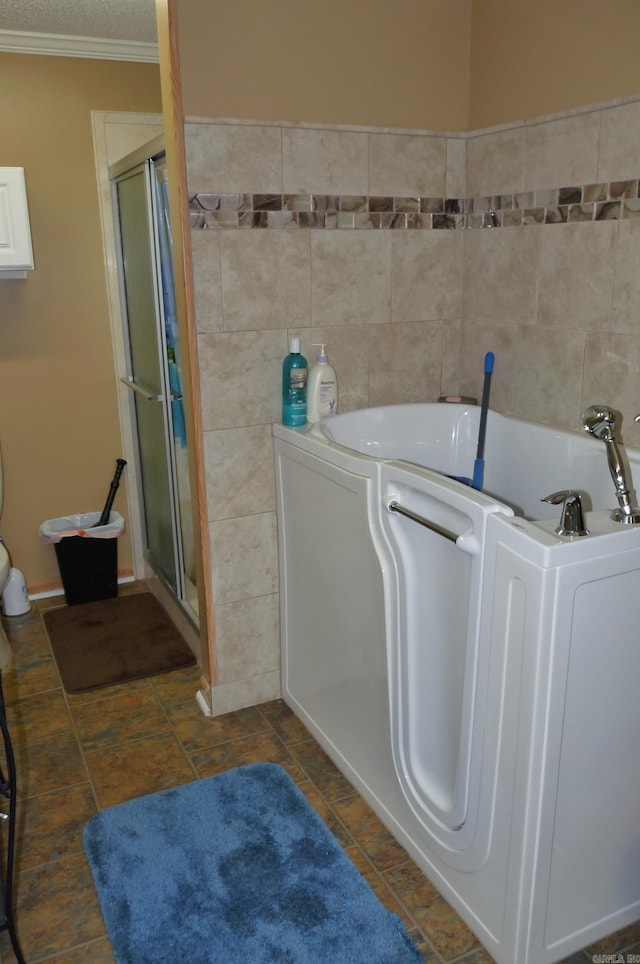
(235, 869)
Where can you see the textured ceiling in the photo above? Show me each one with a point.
(107, 19)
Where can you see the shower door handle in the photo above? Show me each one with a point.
(148, 395)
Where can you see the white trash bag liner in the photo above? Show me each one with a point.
(53, 530)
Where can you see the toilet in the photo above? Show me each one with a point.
(15, 601)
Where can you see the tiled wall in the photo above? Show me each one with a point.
(407, 314)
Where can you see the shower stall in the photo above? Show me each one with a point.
(153, 368)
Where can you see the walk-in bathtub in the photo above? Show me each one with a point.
(477, 677)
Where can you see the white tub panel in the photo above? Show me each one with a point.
(324, 538)
(591, 851)
(549, 863)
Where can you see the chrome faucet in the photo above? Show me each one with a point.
(572, 520)
(601, 422)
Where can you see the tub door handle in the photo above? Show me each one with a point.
(433, 526)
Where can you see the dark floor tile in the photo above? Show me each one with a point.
(384, 893)
(179, 686)
(104, 692)
(261, 748)
(50, 825)
(284, 721)
(411, 886)
(51, 602)
(617, 942)
(446, 931)
(27, 635)
(28, 675)
(57, 907)
(369, 832)
(38, 716)
(130, 770)
(321, 770)
(97, 952)
(426, 951)
(47, 765)
(117, 719)
(196, 731)
(325, 812)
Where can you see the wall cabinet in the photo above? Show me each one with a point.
(16, 255)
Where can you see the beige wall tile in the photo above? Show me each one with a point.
(619, 155)
(426, 275)
(625, 302)
(476, 340)
(247, 635)
(233, 158)
(266, 279)
(348, 351)
(207, 282)
(456, 173)
(406, 165)
(548, 376)
(451, 383)
(495, 162)
(406, 363)
(240, 378)
(562, 152)
(228, 697)
(611, 367)
(576, 270)
(351, 277)
(500, 275)
(556, 304)
(324, 161)
(245, 557)
(239, 472)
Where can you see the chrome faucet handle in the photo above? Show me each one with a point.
(572, 521)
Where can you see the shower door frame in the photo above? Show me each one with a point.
(145, 161)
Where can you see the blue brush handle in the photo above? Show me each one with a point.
(478, 465)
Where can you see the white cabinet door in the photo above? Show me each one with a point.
(15, 234)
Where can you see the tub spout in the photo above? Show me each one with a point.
(601, 422)
(572, 521)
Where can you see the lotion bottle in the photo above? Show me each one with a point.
(322, 390)
(294, 386)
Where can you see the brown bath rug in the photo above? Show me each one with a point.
(114, 640)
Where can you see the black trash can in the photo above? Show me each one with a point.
(87, 554)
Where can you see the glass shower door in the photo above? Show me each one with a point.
(148, 370)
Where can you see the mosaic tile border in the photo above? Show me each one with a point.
(591, 202)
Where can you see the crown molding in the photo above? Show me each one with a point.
(62, 45)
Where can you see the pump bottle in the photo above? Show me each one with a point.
(322, 390)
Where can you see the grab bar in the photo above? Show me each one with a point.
(440, 530)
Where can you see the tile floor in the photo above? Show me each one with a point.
(77, 754)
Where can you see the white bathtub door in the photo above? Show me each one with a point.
(435, 532)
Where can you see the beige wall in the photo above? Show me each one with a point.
(447, 65)
(535, 57)
(372, 62)
(59, 424)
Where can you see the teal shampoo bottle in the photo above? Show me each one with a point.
(294, 386)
